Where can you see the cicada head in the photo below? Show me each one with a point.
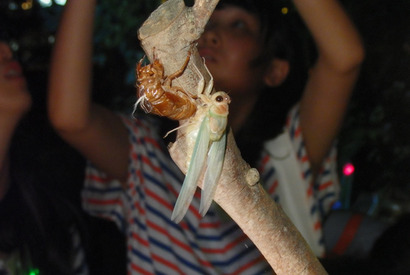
(220, 101)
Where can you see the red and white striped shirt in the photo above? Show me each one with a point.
(286, 175)
(156, 245)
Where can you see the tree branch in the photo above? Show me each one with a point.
(169, 33)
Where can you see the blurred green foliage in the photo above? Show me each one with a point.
(117, 23)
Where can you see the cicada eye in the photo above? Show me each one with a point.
(219, 98)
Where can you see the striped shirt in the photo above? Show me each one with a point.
(287, 176)
(156, 245)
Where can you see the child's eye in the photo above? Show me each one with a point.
(238, 24)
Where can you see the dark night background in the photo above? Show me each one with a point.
(375, 136)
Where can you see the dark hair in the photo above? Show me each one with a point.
(283, 35)
(4, 26)
(391, 251)
(35, 220)
(4, 35)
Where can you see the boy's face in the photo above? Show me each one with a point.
(230, 42)
(14, 96)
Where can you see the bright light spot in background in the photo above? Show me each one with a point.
(285, 10)
(60, 2)
(348, 169)
(45, 3)
(27, 5)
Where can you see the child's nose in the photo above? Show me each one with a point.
(209, 37)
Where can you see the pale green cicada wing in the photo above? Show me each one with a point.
(213, 171)
(212, 130)
(194, 170)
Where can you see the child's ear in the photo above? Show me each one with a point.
(276, 72)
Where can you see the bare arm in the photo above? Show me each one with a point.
(95, 131)
(331, 80)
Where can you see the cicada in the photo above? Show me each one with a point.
(209, 148)
(208, 117)
(158, 96)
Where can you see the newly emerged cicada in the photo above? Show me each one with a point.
(158, 96)
(208, 152)
(208, 117)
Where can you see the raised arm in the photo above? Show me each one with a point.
(332, 79)
(95, 131)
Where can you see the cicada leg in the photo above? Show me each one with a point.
(210, 85)
(202, 90)
(168, 79)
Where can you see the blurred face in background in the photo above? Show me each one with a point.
(14, 96)
(229, 44)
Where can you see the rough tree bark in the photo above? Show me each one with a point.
(169, 33)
